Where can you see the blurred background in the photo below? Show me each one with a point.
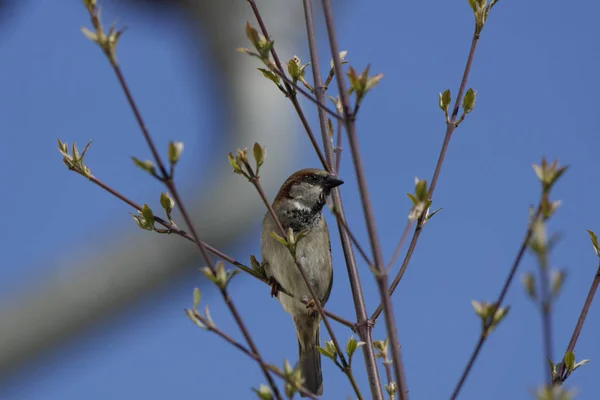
(91, 307)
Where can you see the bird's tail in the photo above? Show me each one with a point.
(309, 358)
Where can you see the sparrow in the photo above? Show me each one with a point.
(298, 205)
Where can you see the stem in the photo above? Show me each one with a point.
(292, 95)
(169, 183)
(546, 309)
(230, 340)
(483, 336)
(338, 147)
(364, 327)
(450, 127)
(582, 316)
(382, 276)
(180, 232)
(340, 219)
(399, 245)
(287, 80)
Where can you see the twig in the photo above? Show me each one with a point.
(450, 127)
(169, 183)
(338, 147)
(341, 220)
(546, 310)
(381, 276)
(292, 96)
(174, 229)
(287, 80)
(498, 303)
(582, 316)
(212, 328)
(400, 244)
(363, 327)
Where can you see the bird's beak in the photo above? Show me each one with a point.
(332, 181)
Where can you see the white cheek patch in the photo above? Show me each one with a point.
(299, 206)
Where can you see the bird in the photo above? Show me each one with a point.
(298, 205)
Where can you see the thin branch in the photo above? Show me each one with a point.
(582, 316)
(546, 310)
(287, 80)
(381, 276)
(338, 147)
(363, 327)
(498, 303)
(212, 328)
(292, 96)
(174, 229)
(450, 127)
(169, 183)
(340, 219)
(340, 320)
(400, 244)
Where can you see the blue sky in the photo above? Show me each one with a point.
(535, 71)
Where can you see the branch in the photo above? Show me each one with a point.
(363, 326)
(292, 95)
(498, 303)
(174, 229)
(109, 47)
(212, 328)
(451, 125)
(382, 276)
(582, 316)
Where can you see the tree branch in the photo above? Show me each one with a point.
(382, 276)
(363, 327)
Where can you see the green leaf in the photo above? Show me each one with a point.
(146, 165)
(580, 363)
(148, 215)
(594, 239)
(433, 213)
(259, 155)
(342, 54)
(197, 297)
(253, 36)
(478, 308)
(326, 353)
(279, 239)
(351, 347)
(270, 75)
(473, 5)
(175, 150)
(421, 189)
(469, 101)
(444, 100)
(528, 281)
(234, 164)
(263, 392)
(167, 203)
(85, 149)
(569, 361)
(552, 368)
(193, 318)
(255, 264)
(412, 198)
(557, 280)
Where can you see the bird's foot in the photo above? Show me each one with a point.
(275, 287)
(311, 306)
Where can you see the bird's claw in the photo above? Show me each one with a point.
(311, 306)
(275, 287)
